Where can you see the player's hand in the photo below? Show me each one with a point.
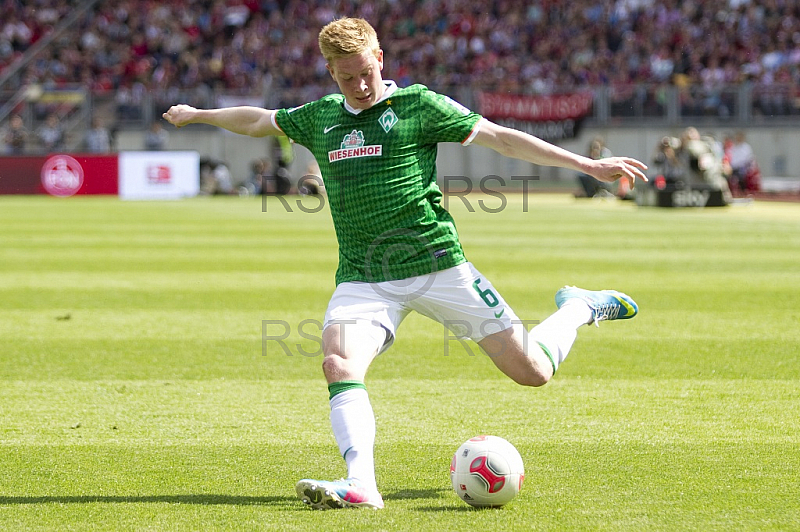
(611, 169)
(180, 115)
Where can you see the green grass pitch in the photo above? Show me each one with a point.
(138, 392)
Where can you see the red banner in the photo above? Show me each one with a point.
(535, 108)
(59, 174)
(549, 117)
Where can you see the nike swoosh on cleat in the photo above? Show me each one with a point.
(630, 311)
(325, 131)
(498, 314)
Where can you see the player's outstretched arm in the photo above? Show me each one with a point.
(252, 121)
(520, 145)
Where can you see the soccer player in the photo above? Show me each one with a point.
(375, 144)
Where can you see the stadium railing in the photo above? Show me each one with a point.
(741, 105)
(738, 105)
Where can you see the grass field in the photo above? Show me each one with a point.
(137, 394)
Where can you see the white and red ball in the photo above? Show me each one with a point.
(487, 471)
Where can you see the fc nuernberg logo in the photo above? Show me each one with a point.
(159, 174)
(353, 146)
(62, 176)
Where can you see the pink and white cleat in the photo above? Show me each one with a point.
(344, 493)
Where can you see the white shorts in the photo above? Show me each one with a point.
(460, 298)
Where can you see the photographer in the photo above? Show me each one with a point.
(592, 187)
(667, 161)
(702, 161)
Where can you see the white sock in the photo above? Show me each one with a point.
(557, 333)
(353, 425)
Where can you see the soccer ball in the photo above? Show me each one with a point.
(487, 471)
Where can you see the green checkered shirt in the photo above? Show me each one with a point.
(379, 170)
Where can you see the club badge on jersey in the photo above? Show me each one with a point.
(388, 119)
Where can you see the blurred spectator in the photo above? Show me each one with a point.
(277, 177)
(745, 176)
(223, 178)
(15, 136)
(51, 134)
(702, 161)
(311, 183)
(136, 46)
(98, 138)
(254, 184)
(129, 97)
(276, 181)
(592, 187)
(215, 178)
(667, 162)
(156, 137)
(282, 151)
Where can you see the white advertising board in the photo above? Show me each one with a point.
(146, 175)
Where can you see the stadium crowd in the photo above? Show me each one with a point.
(132, 46)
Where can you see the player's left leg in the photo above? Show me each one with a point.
(524, 356)
(531, 357)
(512, 353)
(469, 306)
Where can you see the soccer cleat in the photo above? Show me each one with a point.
(605, 304)
(344, 493)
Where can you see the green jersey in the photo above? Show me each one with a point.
(379, 170)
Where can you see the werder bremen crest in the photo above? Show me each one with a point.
(388, 119)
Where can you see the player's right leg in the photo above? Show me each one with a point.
(335, 494)
(349, 349)
(350, 346)
(359, 325)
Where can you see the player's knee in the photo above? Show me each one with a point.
(523, 369)
(531, 372)
(532, 377)
(333, 365)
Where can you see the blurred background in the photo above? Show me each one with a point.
(95, 76)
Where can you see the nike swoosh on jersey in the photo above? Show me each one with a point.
(499, 314)
(325, 131)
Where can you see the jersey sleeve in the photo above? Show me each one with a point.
(297, 123)
(445, 120)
